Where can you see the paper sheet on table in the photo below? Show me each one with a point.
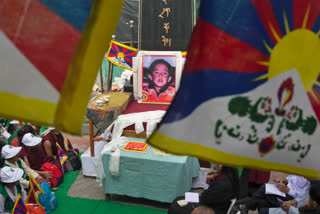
(272, 189)
(192, 197)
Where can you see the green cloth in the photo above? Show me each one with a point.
(147, 175)
(5, 122)
(43, 128)
(21, 127)
(103, 116)
(24, 176)
(13, 136)
(71, 205)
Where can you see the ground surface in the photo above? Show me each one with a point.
(87, 187)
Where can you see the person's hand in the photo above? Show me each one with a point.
(310, 203)
(283, 188)
(210, 174)
(291, 203)
(47, 175)
(285, 207)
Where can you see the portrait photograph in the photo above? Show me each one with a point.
(158, 78)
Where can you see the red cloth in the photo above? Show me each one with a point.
(214, 178)
(259, 177)
(15, 142)
(136, 107)
(49, 137)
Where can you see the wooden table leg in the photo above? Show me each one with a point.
(91, 138)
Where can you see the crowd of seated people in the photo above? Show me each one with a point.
(223, 184)
(301, 196)
(27, 149)
(23, 154)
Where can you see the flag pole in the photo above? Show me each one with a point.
(132, 32)
(110, 72)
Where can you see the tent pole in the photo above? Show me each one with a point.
(110, 72)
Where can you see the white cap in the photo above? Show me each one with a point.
(51, 128)
(14, 122)
(10, 175)
(31, 140)
(10, 151)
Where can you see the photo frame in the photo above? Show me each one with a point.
(159, 74)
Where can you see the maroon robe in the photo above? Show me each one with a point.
(259, 177)
(37, 157)
(59, 138)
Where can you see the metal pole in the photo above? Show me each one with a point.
(132, 32)
(101, 79)
(110, 73)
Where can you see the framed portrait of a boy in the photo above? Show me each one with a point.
(159, 75)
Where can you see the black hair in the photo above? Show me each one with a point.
(314, 191)
(13, 128)
(170, 72)
(309, 210)
(3, 141)
(232, 174)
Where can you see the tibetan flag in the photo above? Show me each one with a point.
(69, 145)
(250, 91)
(49, 50)
(121, 55)
(184, 54)
(62, 156)
(19, 207)
(31, 199)
(35, 190)
(34, 186)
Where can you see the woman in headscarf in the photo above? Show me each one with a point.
(223, 187)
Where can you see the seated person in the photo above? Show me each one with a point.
(49, 142)
(10, 188)
(34, 156)
(160, 77)
(309, 204)
(11, 156)
(16, 138)
(13, 126)
(293, 186)
(203, 210)
(223, 187)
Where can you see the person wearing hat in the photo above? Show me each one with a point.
(11, 156)
(16, 138)
(34, 156)
(10, 188)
